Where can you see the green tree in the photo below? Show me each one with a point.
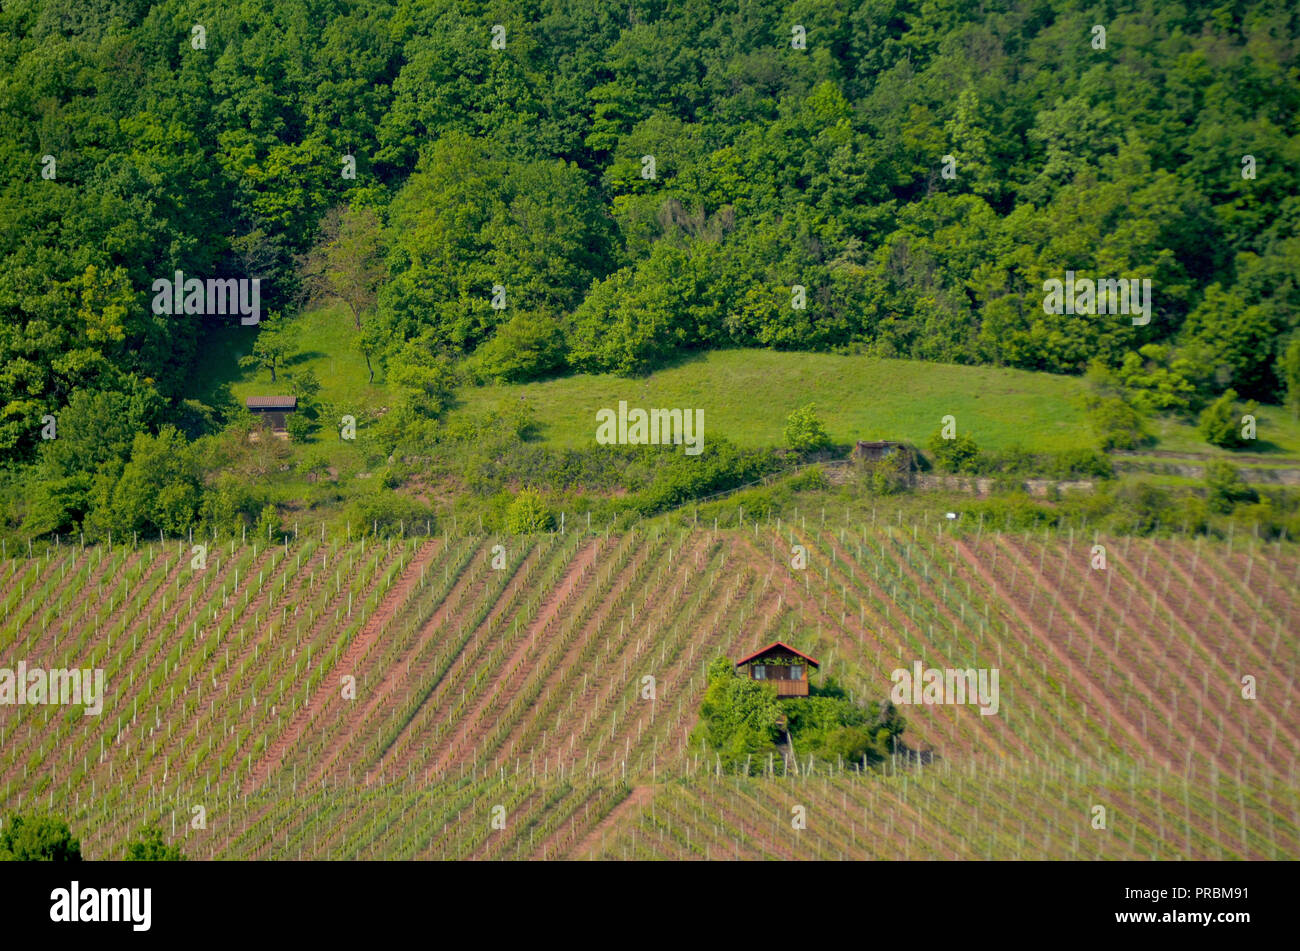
(524, 348)
(1220, 422)
(738, 716)
(804, 430)
(347, 262)
(38, 839)
(151, 847)
(270, 348)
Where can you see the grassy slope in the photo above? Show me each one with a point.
(745, 395)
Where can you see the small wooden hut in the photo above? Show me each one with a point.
(782, 666)
(272, 410)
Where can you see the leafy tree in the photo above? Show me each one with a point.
(268, 522)
(270, 348)
(151, 847)
(38, 839)
(347, 262)
(738, 716)
(425, 381)
(1116, 424)
(804, 430)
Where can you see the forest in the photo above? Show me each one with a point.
(506, 192)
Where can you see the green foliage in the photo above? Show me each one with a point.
(1220, 422)
(388, 514)
(959, 454)
(1116, 424)
(528, 514)
(1289, 371)
(804, 430)
(268, 523)
(151, 847)
(37, 839)
(1156, 382)
(739, 722)
(424, 380)
(831, 727)
(271, 347)
(1226, 488)
(526, 347)
(738, 716)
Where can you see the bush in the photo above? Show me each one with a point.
(151, 847)
(38, 839)
(300, 426)
(809, 480)
(804, 431)
(1116, 424)
(737, 716)
(1220, 422)
(268, 522)
(385, 513)
(959, 454)
(882, 477)
(1226, 487)
(528, 514)
(526, 347)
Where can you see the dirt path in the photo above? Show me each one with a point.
(514, 670)
(328, 688)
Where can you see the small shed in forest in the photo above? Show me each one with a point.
(782, 666)
(272, 410)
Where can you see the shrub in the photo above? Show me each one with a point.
(1116, 424)
(810, 479)
(883, 477)
(386, 513)
(737, 716)
(804, 431)
(300, 426)
(268, 522)
(526, 347)
(1220, 422)
(38, 839)
(959, 454)
(150, 847)
(1226, 487)
(528, 514)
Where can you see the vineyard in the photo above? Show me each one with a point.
(533, 697)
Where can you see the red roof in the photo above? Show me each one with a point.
(746, 660)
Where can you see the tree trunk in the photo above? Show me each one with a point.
(272, 372)
(369, 367)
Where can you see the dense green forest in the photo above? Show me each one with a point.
(508, 191)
